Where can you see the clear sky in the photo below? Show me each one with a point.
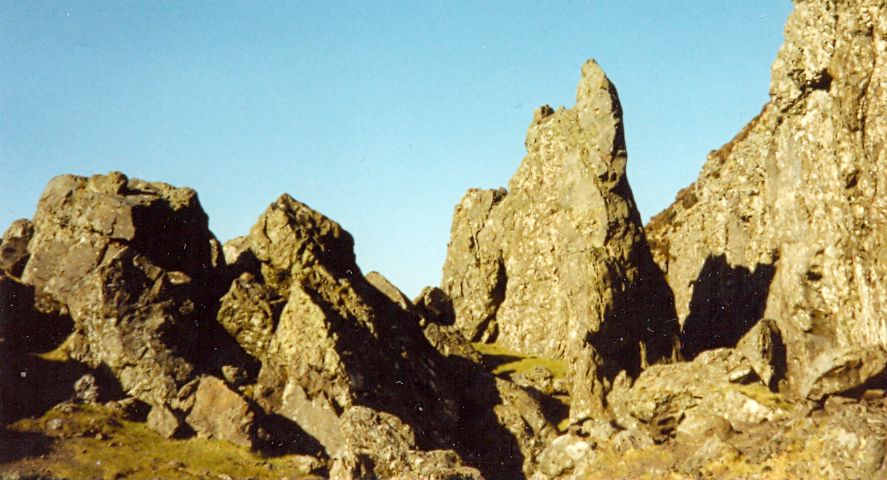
(377, 114)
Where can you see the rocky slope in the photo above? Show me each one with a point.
(134, 345)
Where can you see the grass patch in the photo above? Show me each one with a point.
(92, 441)
(502, 361)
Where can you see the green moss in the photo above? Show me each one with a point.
(92, 441)
(502, 361)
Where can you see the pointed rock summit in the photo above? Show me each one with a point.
(559, 265)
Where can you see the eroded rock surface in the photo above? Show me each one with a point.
(343, 355)
(133, 264)
(559, 265)
(717, 384)
(788, 220)
(338, 338)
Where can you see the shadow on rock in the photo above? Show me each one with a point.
(727, 302)
(483, 441)
(280, 436)
(17, 445)
(30, 385)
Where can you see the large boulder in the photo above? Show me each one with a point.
(219, 412)
(788, 220)
(133, 263)
(559, 265)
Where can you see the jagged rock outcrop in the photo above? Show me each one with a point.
(336, 330)
(135, 266)
(346, 358)
(338, 350)
(433, 305)
(559, 265)
(788, 221)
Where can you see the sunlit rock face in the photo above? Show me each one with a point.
(788, 221)
(559, 265)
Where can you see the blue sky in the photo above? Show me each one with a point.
(378, 114)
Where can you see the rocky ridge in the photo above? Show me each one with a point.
(738, 335)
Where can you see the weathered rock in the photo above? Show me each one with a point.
(538, 378)
(390, 446)
(450, 342)
(14, 247)
(388, 289)
(317, 416)
(559, 266)
(474, 272)
(438, 465)
(564, 455)
(336, 341)
(164, 421)
(523, 416)
(713, 450)
(249, 312)
(324, 348)
(764, 349)
(664, 396)
(238, 257)
(504, 428)
(793, 207)
(851, 444)
(632, 439)
(221, 413)
(433, 305)
(86, 389)
(132, 261)
(699, 425)
(839, 371)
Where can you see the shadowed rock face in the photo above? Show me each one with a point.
(801, 191)
(133, 264)
(559, 266)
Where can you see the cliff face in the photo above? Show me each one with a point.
(788, 221)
